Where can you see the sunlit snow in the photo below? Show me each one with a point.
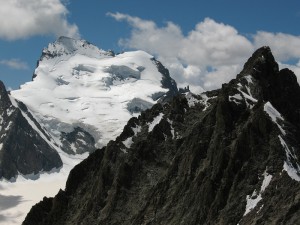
(155, 121)
(128, 142)
(89, 89)
(246, 96)
(292, 171)
(235, 98)
(288, 166)
(274, 115)
(255, 198)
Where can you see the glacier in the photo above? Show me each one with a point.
(78, 85)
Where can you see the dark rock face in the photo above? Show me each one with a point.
(77, 142)
(167, 82)
(22, 149)
(228, 156)
(137, 105)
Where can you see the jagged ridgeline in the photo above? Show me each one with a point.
(228, 156)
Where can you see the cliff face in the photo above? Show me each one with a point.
(228, 156)
(22, 149)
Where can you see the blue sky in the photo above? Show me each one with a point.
(221, 35)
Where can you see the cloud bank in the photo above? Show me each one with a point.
(210, 54)
(15, 64)
(21, 19)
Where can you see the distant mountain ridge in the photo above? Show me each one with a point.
(229, 156)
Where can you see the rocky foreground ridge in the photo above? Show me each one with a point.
(228, 156)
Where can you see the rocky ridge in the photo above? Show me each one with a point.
(22, 149)
(228, 156)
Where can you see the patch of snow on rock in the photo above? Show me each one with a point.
(274, 115)
(172, 128)
(128, 142)
(191, 99)
(235, 98)
(10, 111)
(155, 121)
(136, 129)
(255, 198)
(249, 79)
(205, 100)
(247, 96)
(288, 166)
(291, 171)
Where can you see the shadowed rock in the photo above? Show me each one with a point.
(22, 149)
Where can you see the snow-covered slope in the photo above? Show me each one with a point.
(78, 85)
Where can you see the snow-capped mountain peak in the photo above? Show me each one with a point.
(64, 46)
(78, 85)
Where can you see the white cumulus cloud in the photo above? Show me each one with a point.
(295, 68)
(15, 64)
(284, 46)
(209, 55)
(21, 19)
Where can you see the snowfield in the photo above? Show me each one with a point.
(86, 87)
(17, 198)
